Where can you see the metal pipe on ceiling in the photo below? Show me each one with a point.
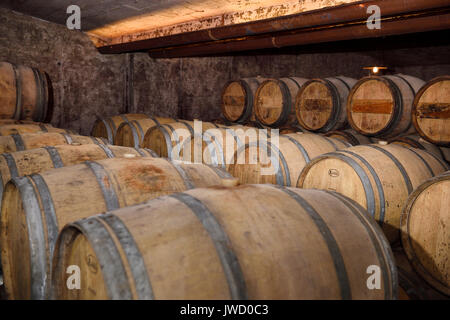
(324, 17)
(440, 20)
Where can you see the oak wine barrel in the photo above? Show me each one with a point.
(172, 140)
(378, 177)
(275, 101)
(256, 242)
(11, 121)
(269, 161)
(418, 142)
(107, 127)
(321, 104)
(425, 231)
(35, 208)
(26, 141)
(381, 106)
(238, 99)
(410, 284)
(25, 93)
(22, 163)
(131, 134)
(9, 129)
(220, 144)
(431, 111)
(350, 136)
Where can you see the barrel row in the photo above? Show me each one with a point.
(36, 207)
(222, 146)
(28, 162)
(378, 177)
(129, 128)
(108, 191)
(375, 106)
(202, 242)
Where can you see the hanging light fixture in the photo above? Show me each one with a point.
(375, 71)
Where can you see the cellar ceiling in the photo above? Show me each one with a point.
(114, 21)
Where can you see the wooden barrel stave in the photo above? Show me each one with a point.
(275, 101)
(424, 231)
(107, 127)
(220, 144)
(238, 99)
(22, 163)
(321, 104)
(131, 134)
(418, 142)
(410, 283)
(25, 93)
(232, 256)
(26, 141)
(10, 129)
(379, 178)
(172, 140)
(253, 163)
(12, 121)
(76, 192)
(381, 106)
(431, 111)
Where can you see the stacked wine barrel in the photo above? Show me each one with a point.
(424, 231)
(28, 147)
(25, 93)
(227, 243)
(378, 107)
(399, 130)
(321, 104)
(238, 98)
(431, 111)
(236, 209)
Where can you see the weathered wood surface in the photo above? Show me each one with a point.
(381, 106)
(26, 141)
(431, 114)
(247, 242)
(107, 127)
(35, 208)
(275, 101)
(11, 129)
(24, 93)
(378, 177)
(131, 133)
(238, 98)
(321, 104)
(268, 161)
(425, 231)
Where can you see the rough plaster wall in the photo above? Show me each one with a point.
(86, 83)
(191, 87)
